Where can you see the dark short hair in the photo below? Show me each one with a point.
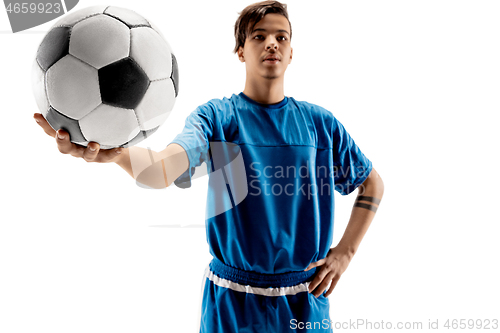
(252, 14)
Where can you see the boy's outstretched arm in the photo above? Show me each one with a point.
(338, 258)
(154, 169)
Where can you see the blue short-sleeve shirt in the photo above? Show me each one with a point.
(272, 171)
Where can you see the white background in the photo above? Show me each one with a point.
(416, 83)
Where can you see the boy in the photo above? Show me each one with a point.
(270, 212)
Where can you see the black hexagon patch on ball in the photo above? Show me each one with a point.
(122, 83)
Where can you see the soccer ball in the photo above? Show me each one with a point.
(105, 74)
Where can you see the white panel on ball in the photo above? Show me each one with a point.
(126, 15)
(74, 17)
(38, 85)
(73, 87)
(156, 104)
(100, 40)
(151, 52)
(109, 125)
(157, 29)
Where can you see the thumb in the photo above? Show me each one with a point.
(315, 264)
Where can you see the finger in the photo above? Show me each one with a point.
(334, 283)
(108, 154)
(315, 264)
(317, 279)
(90, 153)
(313, 285)
(64, 144)
(324, 284)
(44, 124)
(77, 150)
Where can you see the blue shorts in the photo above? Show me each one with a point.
(239, 301)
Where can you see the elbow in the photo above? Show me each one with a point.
(379, 183)
(373, 185)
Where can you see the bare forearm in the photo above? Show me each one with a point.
(154, 169)
(135, 159)
(369, 195)
(124, 162)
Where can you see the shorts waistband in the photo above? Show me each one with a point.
(259, 279)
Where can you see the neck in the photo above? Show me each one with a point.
(265, 91)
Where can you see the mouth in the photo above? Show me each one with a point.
(271, 60)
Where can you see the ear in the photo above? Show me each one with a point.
(240, 54)
(291, 54)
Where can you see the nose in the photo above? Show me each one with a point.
(271, 44)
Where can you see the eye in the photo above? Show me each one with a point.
(258, 37)
(283, 38)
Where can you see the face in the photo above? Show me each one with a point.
(270, 38)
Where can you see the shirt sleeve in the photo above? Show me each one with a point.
(351, 167)
(195, 139)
